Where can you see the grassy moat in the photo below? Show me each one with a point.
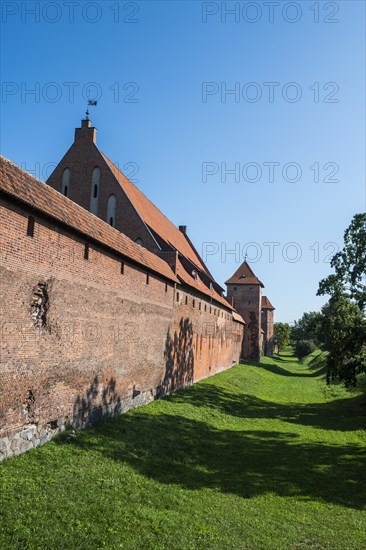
(257, 457)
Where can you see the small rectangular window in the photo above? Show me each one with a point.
(86, 251)
(199, 306)
(205, 307)
(193, 303)
(166, 287)
(147, 278)
(30, 226)
(186, 300)
(177, 296)
(122, 268)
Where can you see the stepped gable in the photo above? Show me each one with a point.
(23, 187)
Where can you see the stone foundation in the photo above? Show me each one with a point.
(33, 436)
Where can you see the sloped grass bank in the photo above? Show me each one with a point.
(258, 457)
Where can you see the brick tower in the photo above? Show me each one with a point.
(267, 325)
(245, 289)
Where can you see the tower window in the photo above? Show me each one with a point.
(111, 210)
(65, 182)
(94, 196)
(30, 226)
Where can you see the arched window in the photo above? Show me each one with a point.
(94, 194)
(65, 187)
(111, 210)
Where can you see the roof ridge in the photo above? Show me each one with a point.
(172, 227)
(119, 242)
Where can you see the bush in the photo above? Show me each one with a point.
(304, 348)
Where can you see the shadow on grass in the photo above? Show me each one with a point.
(290, 359)
(272, 367)
(339, 415)
(192, 454)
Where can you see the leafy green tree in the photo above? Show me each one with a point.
(349, 265)
(282, 333)
(344, 330)
(308, 327)
(344, 325)
(304, 348)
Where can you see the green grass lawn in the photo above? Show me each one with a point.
(258, 457)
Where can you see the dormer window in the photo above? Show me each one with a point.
(65, 186)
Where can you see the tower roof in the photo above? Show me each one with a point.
(266, 304)
(244, 276)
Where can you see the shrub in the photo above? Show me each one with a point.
(304, 348)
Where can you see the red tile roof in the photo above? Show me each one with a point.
(22, 186)
(244, 276)
(266, 304)
(199, 285)
(156, 220)
(238, 318)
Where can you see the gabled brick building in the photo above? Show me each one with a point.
(106, 304)
(89, 178)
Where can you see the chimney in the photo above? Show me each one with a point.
(87, 132)
(183, 229)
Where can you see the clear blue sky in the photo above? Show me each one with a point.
(182, 133)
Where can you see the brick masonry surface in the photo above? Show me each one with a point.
(86, 334)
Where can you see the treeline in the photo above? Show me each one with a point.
(340, 327)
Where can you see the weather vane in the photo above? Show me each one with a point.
(91, 103)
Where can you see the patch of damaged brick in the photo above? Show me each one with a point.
(40, 305)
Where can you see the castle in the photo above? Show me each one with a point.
(106, 305)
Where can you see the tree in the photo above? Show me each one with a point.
(349, 265)
(308, 327)
(344, 324)
(282, 333)
(304, 348)
(344, 329)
